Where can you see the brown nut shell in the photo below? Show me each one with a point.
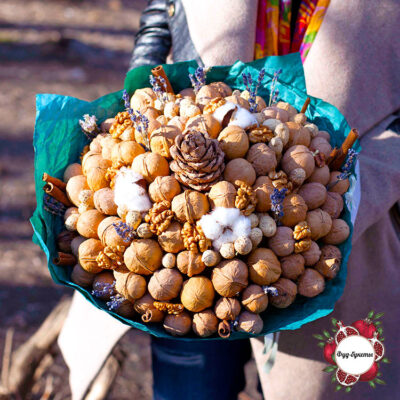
(165, 284)
(287, 291)
(197, 294)
(162, 139)
(190, 206)
(264, 266)
(254, 299)
(171, 240)
(164, 188)
(234, 142)
(320, 175)
(88, 223)
(178, 324)
(190, 263)
(143, 256)
(319, 222)
(312, 255)
(322, 145)
(294, 210)
(204, 123)
(205, 323)
(87, 254)
(130, 285)
(292, 266)
(329, 263)
(104, 201)
(108, 234)
(150, 165)
(311, 283)
(81, 277)
(333, 204)
(125, 152)
(262, 158)
(282, 243)
(239, 171)
(314, 194)
(298, 135)
(75, 186)
(339, 232)
(340, 186)
(263, 188)
(230, 277)
(227, 308)
(298, 156)
(72, 170)
(250, 323)
(222, 194)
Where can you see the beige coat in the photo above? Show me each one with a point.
(354, 64)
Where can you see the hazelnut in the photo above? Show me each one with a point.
(210, 258)
(267, 225)
(287, 291)
(254, 299)
(282, 243)
(205, 323)
(292, 266)
(254, 221)
(227, 250)
(319, 222)
(311, 256)
(169, 260)
(230, 277)
(262, 158)
(339, 232)
(143, 231)
(133, 219)
(264, 266)
(256, 236)
(311, 283)
(239, 171)
(197, 294)
(243, 245)
(227, 308)
(314, 194)
(333, 204)
(71, 218)
(329, 262)
(165, 284)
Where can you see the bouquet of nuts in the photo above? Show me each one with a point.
(201, 209)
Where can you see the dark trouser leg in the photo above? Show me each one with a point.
(197, 370)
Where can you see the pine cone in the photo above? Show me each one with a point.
(198, 162)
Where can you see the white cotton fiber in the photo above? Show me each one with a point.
(225, 216)
(242, 226)
(128, 195)
(243, 118)
(211, 228)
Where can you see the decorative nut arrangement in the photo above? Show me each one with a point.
(202, 210)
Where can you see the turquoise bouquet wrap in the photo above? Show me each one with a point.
(58, 141)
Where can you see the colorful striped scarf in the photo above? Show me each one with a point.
(273, 36)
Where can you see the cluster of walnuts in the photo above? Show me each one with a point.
(262, 180)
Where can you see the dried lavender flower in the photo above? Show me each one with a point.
(89, 126)
(270, 290)
(159, 86)
(273, 95)
(351, 159)
(104, 289)
(115, 302)
(277, 198)
(198, 80)
(248, 82)
(125, 231)
(53, 206)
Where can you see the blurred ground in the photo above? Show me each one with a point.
(79, 48)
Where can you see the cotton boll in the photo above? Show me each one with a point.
(225, 216)
(128, 195)
(243, 118)
(211, 228)
(220, 112)
(242, 226)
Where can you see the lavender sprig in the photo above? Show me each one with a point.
(115, 302)
(273, 95)
(198, 80)
(125, 97)
(273, 291)
(277, 198)
(89, 126)
(104, 289)
(53, 206)
(234, 324)
(124, 231)
(346, 170)
(248, 82)
(159, 86)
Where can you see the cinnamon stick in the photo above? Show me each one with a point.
(55, 192)
(159, 72)
(305, 105)
(55, 181)
(338, 156)
(224, 329)
(64, 259)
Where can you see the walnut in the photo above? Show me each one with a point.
(302, 234)
(213, 105)
(260, 134)
(122, 121)
(159, 217)
(112, 257)
(194, 238)
(246, 199)
(280, 180)
(170, 308)
(110, 175)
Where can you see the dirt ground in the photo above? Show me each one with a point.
(79, 48)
